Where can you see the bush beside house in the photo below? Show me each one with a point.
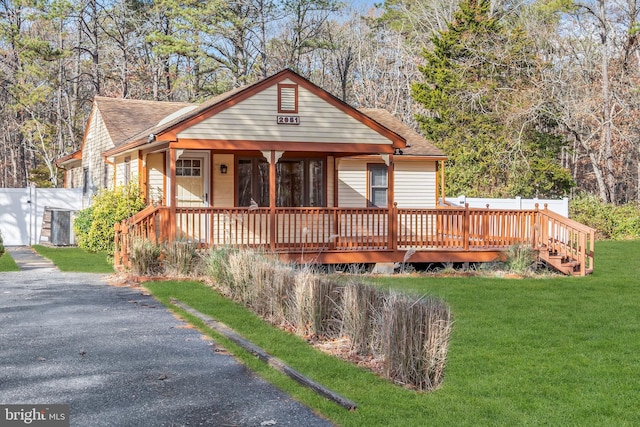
(94, 226)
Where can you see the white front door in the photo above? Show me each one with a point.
(192, 191)
(191, 188)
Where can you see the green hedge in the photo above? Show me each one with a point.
(610, 221)
(94, 226)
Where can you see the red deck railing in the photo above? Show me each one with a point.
(295, 230)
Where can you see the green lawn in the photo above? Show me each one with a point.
(559, 351)
(7, 263)
(76, 259)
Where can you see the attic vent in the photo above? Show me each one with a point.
(287, 98)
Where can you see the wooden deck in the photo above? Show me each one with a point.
(369, 235)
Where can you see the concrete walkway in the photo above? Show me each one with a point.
(28, 259)
(119, 358)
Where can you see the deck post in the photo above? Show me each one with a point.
(272, 201)
(583, 254)
(393, 227)
(116, 244)
(172, 196)
(535, 220)
(465, 225)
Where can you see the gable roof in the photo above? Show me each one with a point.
(126, 117)
(168, 131)
(417, 145)
(130, 123)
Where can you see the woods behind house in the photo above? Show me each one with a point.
(528, 98)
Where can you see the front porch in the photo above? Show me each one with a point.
(331, 235)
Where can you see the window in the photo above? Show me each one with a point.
(188, 167)
(105, 176)
(288, 98)
(299, 182)
(85, 181)
(253, 181)
(378, 185)
(127, 170)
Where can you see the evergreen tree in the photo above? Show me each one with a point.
(484, 109)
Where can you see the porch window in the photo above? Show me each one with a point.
(378, 185)
(299, 182)
(188, 167)
(253, 181)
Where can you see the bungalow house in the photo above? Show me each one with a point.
(285, 166)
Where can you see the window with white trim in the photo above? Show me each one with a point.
(378, 185)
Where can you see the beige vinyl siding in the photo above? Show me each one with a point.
(120, 168)
(155, 176)
(352, 183)
(223, 185)
(73, 178)
(97, 141)
(255, 119)
(415, 184)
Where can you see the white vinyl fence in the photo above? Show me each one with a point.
(560, 206)
(22, 210)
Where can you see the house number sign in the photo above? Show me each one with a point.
(288, 120)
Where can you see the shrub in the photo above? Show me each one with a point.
(1, 245)
(94, 226)
(609, 221)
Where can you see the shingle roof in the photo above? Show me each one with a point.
(417, 145)
(126, 117)
(198, 108)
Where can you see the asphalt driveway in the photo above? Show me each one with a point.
(119, 358)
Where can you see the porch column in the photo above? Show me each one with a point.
(391, 205)
(272, 200)
(172, 194)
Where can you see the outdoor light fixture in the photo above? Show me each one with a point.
(223, 169)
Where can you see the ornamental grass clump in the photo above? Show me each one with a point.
(410, 334)
(521, 259)
(360, 310)
(315, 310)
(145, 258)
(181, 258)
(415, 335)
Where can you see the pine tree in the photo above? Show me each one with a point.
(482, 107)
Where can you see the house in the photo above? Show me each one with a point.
(284, 165)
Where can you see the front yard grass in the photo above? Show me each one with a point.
(76, 259)
(7, 263)
(553, 351)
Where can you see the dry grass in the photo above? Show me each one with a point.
(409, 334)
